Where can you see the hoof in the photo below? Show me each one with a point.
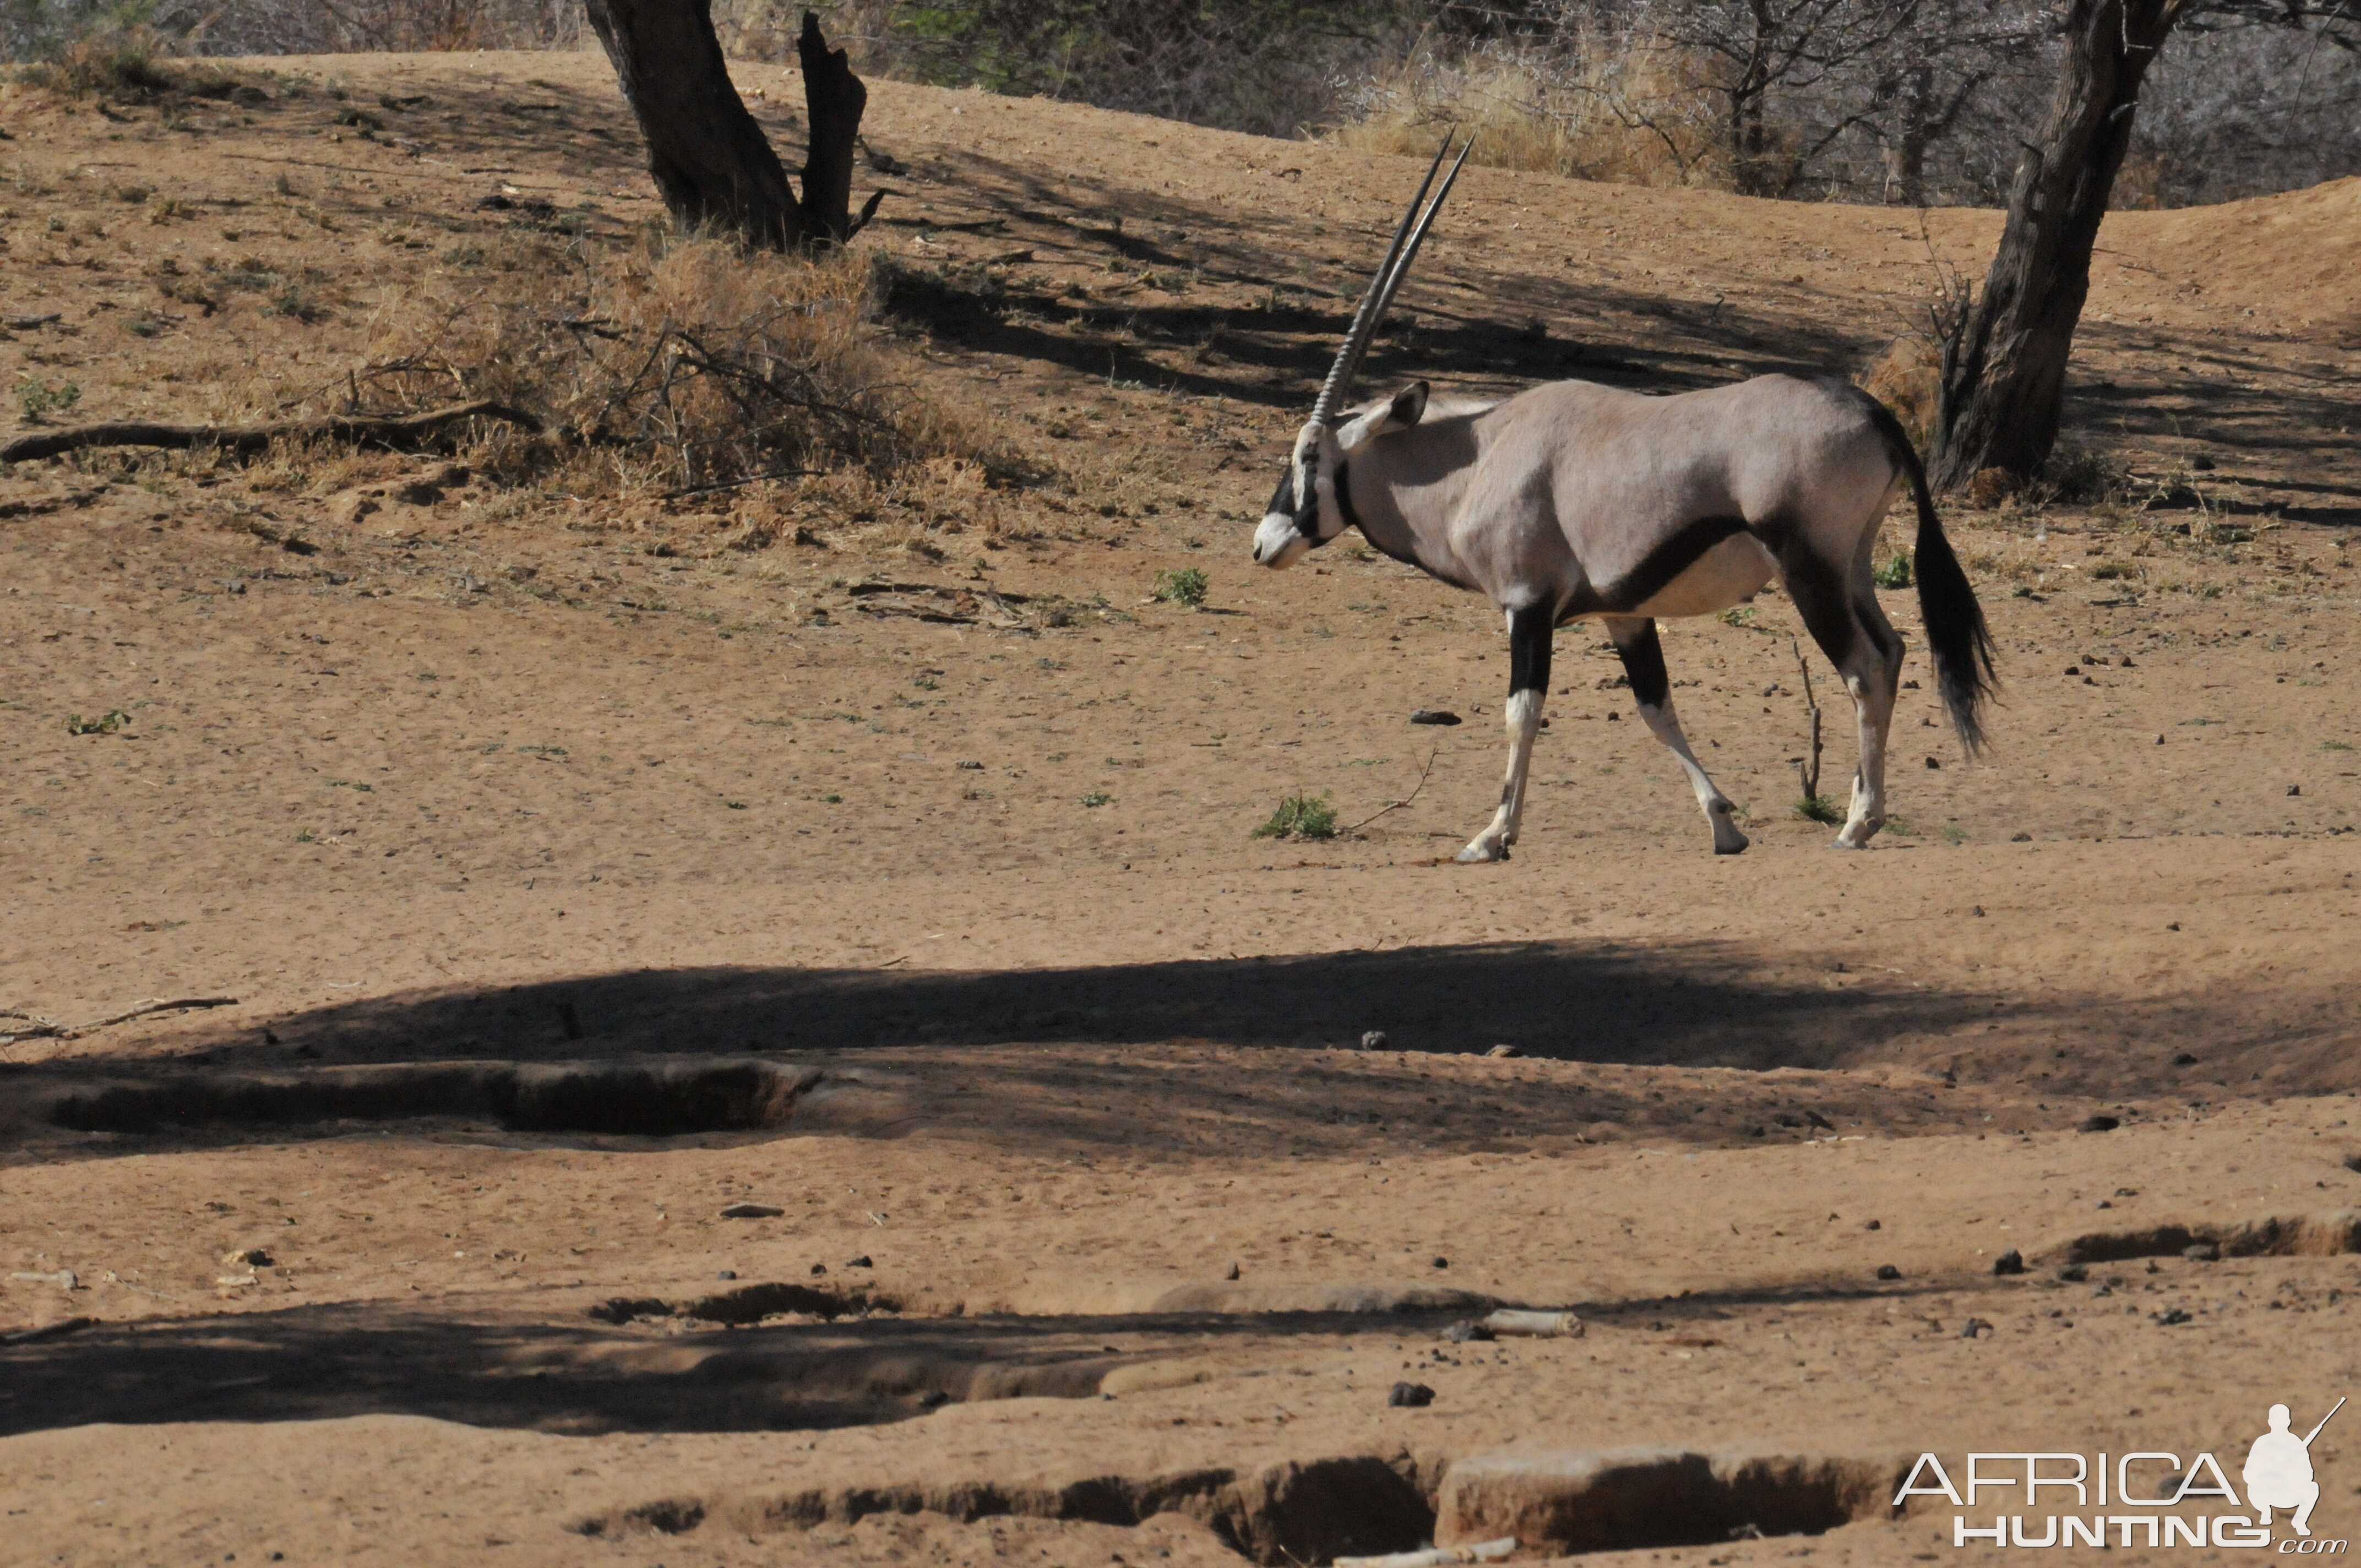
(1738, 847)
(1482, 854)
(1840, 842)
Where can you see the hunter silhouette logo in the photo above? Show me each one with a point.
(2278, 1471)
(2147, 1497)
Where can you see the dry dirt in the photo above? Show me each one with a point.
(902, 881)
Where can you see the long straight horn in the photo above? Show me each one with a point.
(1365, 316)
(1418, 237)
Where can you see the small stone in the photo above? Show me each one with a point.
(2126, 1192)
(1504, 1051)
(933, 1398)
(860, 1262)
(1409, 1396)
(2099, 1124)
(1233, 1273)
(818, 1268)
(1614, 718)
(1433, 715)
(2105, 1204)
(751, 1211)
(2010, 1262)
(1465, 1330)
(2201, 1252)
(1887, 1271)
(247, 1258)
(1373, 1040)
(727, 1274)
(2074, 1274)
(2074, 669)
(1872, 1225)
(1934, 764)
(2170, 1316)
(2295, 789)
(2020, 837)
(971, 767)
(1442, 1262)
(2159, 740)
(1973, 1327)
(2184, 1059)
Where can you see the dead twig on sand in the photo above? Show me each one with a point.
(1808, 776)
(52, 1029)
(395, 431)
(1405, 800)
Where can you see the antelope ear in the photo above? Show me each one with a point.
(1408, 406)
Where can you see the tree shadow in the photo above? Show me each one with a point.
(1694, 1004)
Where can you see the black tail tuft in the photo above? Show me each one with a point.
(1956, 632)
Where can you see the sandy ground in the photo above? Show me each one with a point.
(476, 781)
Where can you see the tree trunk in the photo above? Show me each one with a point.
(2005, 374)
(709, 160)
(835, 98)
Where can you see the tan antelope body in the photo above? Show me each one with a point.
(1571, 499)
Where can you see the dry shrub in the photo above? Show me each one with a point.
(109, 62)
(1908, 379)
(1631, 111)
(673, 368)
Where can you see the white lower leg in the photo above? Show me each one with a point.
(1524, 718)
(1666, 727)
(1873, 705)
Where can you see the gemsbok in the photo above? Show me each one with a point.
(1571, 499)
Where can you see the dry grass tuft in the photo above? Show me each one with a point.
(1908, 379)
(678, 368)
(1629, 111)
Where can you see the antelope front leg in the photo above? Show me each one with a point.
(1528, 661)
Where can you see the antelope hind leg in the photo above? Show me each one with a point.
(1643, 661)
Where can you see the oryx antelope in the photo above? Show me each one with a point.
(1571, 499)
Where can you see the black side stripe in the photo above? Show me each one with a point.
(1668, 561)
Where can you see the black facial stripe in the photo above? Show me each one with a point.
(1667, 561)
(1282, 499)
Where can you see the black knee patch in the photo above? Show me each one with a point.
(1530, 632)
(1643, 666)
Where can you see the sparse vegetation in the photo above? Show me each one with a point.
(106, 723)
(1895, 573)
(1301, 816)
(37, 397)
(1819, 808)
(1185, 587)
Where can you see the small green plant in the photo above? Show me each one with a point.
(1819, 808)
(1184, 586)
(1097, 797)
(1301, 816)
(1953, 833)
(37, 397)
(2114, 571)
(833, 799)
(107, 723)
(307, 836)
(1742, 615)
(1896, 573)
(2336, 746)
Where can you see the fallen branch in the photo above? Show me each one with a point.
(395, 431)
(1405, 800)
(1809, 778)
(52, 1029)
